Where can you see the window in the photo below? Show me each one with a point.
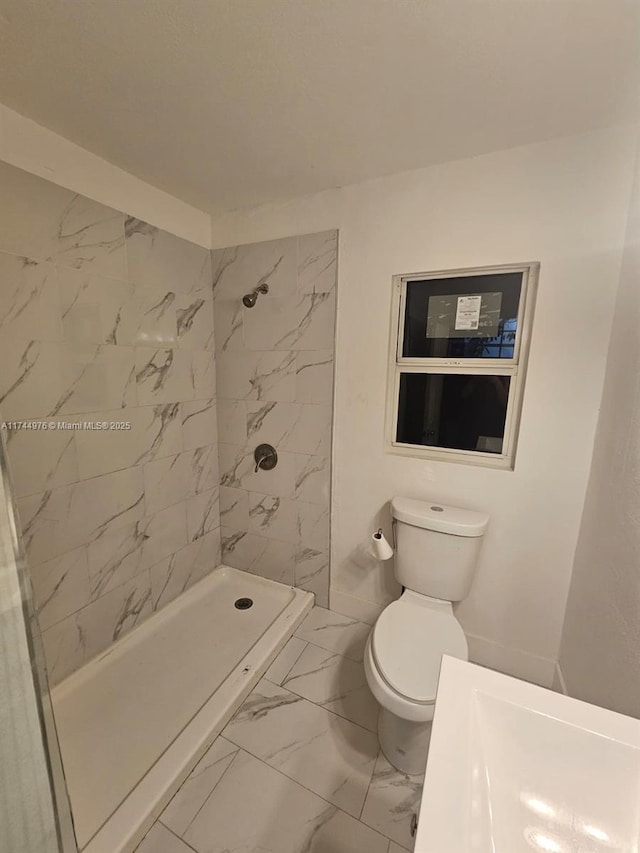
(459, 346)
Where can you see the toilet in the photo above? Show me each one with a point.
(437, 548)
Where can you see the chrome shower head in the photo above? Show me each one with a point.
(250, 299)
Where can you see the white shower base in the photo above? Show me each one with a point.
(134, 722)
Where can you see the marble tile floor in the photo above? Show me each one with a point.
(298, 769)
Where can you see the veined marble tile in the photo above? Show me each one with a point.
(316, 326)
(157, 258)
(313, 526)
(60, 587)
(279, 482)
(246, 375)
(193, 794)
(159, 839)
(241, 549)
(276, 562)
(90, 234)
(285, 817)
(303, 322)
(149, 319)
(59, 520)
(221, 260)
(47, 380)
(314, 377)
(33, 380)
(271, 422)
(204, 465)
(44, 221)
(72, 642)
(392, 800)
(199, 423)
(232, 421)
(98, 378)
(312, 479)
(335, 633)
(41, 460)
(325, 753)
(234, 508)
(273, 517)
(203, 374)
(92, 306)
(176, 478)
(312, 573)
(237, 470)
(335, 682)
(311, 432)
(155, 433)
(236, 463)
(203, 513)
(282, 665)
(317, 262)
(64, 648)
(227, 317)
(295, 427)
(194, 319)
(29, 301)
(163, 376)
(239, 270)
(176, 573)
(119, 555)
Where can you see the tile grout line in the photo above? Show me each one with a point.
(180, 839)
(364, 803)
(241, 749)
(233, 760)
(324, 707)
(281, 684)
(304, 787)
(359, 818)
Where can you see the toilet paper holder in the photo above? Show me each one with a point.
(381, 548)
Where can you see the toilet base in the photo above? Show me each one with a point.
(404, 744)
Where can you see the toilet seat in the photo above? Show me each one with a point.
(408, 641)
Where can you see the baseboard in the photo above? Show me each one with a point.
(559, 684)
(543, 671)
(516, 662)
(356, 608)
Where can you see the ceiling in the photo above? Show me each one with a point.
(231, 103)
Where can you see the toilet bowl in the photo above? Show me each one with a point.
(402, 664)
(437, 549)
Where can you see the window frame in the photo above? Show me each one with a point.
(515, 367)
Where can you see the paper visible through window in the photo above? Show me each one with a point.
(468, 312)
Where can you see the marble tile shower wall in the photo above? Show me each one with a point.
(274, 367)
(104, 318)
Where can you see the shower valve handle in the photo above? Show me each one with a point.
(266, 457)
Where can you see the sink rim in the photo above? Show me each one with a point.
(448, 774)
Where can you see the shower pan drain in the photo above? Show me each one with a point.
(244, 603)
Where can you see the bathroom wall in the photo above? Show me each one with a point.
(563, 203)
(600, 652)
(274, 367)
(104, 318)
(40, 151)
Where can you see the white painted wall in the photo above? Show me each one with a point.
(600, 652)
(31, 147)
(563, 203)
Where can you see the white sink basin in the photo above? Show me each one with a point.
(515, 768)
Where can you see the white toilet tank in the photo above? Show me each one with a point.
(437, 547)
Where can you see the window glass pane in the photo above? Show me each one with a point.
(459, 411)
(462, 317)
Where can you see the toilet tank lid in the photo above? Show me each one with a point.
(432, 515)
